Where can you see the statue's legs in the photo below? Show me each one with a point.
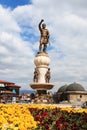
(44, 48)
(40, 47)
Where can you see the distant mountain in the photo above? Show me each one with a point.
(24, 91)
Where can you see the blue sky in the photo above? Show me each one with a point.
(19, 40)
(14, 3)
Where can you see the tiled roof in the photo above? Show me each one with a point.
(9, 84)
(4, 81)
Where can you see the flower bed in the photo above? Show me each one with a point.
(38, 117)
(60, 118)
(16, 117)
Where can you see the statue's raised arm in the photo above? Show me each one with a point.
(44, 38)
(40, 24)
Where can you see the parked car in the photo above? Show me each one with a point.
(84, 105)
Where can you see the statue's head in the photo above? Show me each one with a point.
(49, 69)
(43, 25)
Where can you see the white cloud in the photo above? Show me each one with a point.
(7, 22)
(67, 23)
(15, 54)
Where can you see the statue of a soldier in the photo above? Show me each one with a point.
(36, 74)
(47, 76)
(44, 39)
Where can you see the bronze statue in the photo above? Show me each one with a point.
(47, 76)
(44, 39)
(36, 73)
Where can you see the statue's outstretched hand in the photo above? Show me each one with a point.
(42, 20)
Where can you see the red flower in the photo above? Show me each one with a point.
(37, 117)
(45, 114)
(47, 127)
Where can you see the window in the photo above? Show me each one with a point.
(2, 85)
(80, 96)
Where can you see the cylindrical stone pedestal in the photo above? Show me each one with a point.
(41, 78)
(41, 62)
